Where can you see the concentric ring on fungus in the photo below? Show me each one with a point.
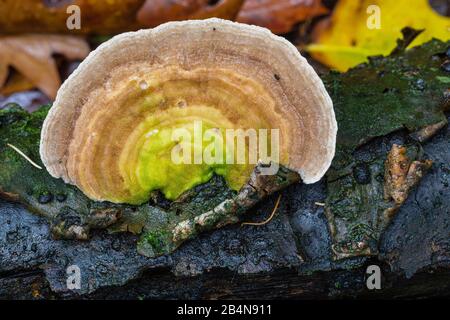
(138, 86)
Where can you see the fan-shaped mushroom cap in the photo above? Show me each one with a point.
(227, 74)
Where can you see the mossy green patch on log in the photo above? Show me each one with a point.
(404, 90)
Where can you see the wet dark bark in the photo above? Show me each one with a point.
(288, 258)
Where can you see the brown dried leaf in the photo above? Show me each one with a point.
(279, 15)
(3, 73)
(32, 56)
(155, 12)
(16, 83)
(98, 18)
(50, 16)
(401, 175)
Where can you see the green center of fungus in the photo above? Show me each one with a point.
(179, 149)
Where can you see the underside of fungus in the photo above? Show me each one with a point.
(110, 129)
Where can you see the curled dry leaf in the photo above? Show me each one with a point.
(3, 73)
(155, 12)
(16, 83)
(32, 57)
(401, 176)
(279, 15)
(352, 34)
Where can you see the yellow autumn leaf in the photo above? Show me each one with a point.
(348, 37)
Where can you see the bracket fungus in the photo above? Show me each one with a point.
(110, 129)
